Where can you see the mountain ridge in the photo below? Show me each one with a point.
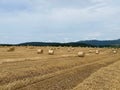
(101, 42)
(85, 43)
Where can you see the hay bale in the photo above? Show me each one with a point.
(114, 51)
(97, 51)
(81, 54)
(73, 49)
(68, 50)
(90, 51)
(51, 52)
(40, 51)
(31, 47)
(11, 49)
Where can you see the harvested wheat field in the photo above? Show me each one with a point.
(23, 68)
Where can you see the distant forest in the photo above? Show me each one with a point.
(88, 43)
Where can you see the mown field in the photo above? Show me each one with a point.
(24, 69)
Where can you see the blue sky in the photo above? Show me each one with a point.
(58, 20)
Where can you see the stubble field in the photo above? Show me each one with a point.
(24, 69)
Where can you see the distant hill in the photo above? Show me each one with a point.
(86, 43)
(101, 43)
(74, 44)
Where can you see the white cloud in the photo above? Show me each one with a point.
(42, 12)
(86, 16)
(94, 35)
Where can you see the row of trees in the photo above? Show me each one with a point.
(60, 44)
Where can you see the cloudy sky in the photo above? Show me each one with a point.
(58, 20)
